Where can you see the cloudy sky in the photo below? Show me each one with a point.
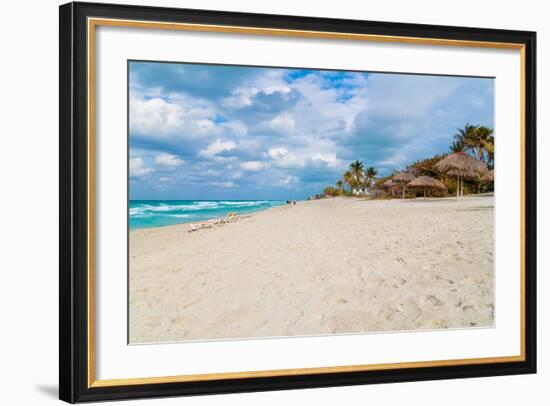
(226, 132)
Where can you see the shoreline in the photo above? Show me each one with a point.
(243, 215)
(214, 216)
(300, 202)
(328, 266)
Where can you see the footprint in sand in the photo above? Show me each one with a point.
(404, 313)
(434, 300)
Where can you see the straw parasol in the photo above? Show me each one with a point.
(427, 182)
(489, 176)
(389, 184)
(403, 178)
(461, 165)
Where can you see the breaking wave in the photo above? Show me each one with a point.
(156, 213)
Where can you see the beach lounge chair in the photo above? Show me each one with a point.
(199, 226)
(216, 222)
(231, 217)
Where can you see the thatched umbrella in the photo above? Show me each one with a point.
(389, 184)
(427, 182)
(461, 165)
(489, 176)
(403, 178)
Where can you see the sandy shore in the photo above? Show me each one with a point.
(322, 267)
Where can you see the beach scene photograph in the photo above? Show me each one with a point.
(284, 202)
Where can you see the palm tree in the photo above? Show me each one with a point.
(462, 136)
(330, 191)
(348, 178)
(340, 186)
(483, 143)
(477, 139)
(357, 173)
(370, 174)
(457, 146)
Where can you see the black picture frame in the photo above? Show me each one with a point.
(73, 255)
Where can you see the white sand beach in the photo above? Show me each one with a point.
(331, 266)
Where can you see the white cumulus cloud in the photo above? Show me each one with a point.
(254, 165)
(217, 147)
(226, 185)
(157, 117)
(288, 181)
(138, 168)
(170, 160)
(277, 153)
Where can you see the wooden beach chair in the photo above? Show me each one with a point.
(200, 226)
(231, 217)
(216, 222)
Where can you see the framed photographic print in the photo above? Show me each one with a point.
(257, 202)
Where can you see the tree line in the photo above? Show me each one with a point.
(475, 140)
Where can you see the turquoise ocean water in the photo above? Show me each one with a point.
(157, 213)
